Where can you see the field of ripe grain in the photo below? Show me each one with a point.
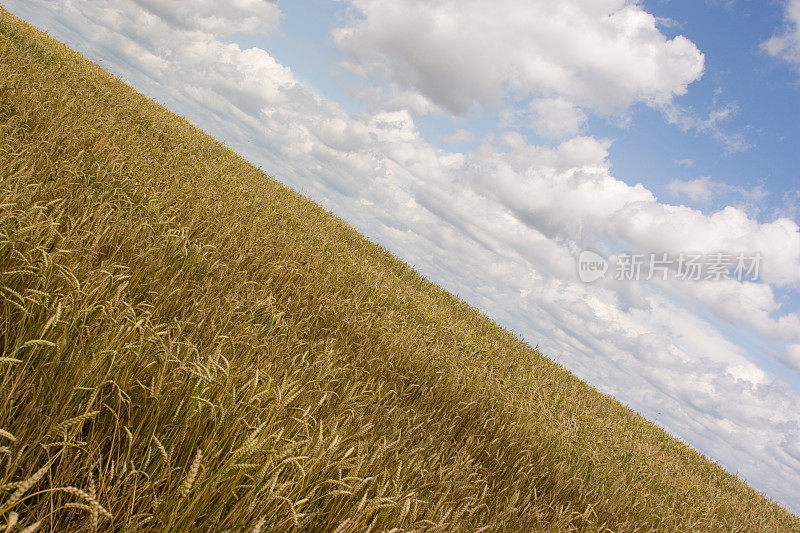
(186, 345)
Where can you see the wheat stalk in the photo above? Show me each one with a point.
(95, 513)
(88, 498)
(74, 421)
(31, 528)
(260, 525)
(192, 474)
(23, 486)
(13, 518)
(162, 450)
(341, 528)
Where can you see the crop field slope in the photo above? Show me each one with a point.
(187, 345)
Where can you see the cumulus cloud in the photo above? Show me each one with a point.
(602, 56)
(792, 358)
(704, 190)
(247, 16)
(564, 59)
(458, 137)
(786, 45)
(501, 226)
(699, 190)
(556, 118)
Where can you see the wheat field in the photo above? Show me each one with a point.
(187, 345)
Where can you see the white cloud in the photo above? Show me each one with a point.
(699, 190)
(745, 303)
(787, 44)
(556, 118)
(686, 163)
(792, 358)
(704, 190)
(501, 226)
(247, 16)
(687, 120)
(790, 205)
(599, 55)
(458, 137)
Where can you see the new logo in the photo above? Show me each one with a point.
(591, 266)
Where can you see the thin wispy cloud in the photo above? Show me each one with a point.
(786, 43)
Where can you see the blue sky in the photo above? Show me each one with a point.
(489, 143)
